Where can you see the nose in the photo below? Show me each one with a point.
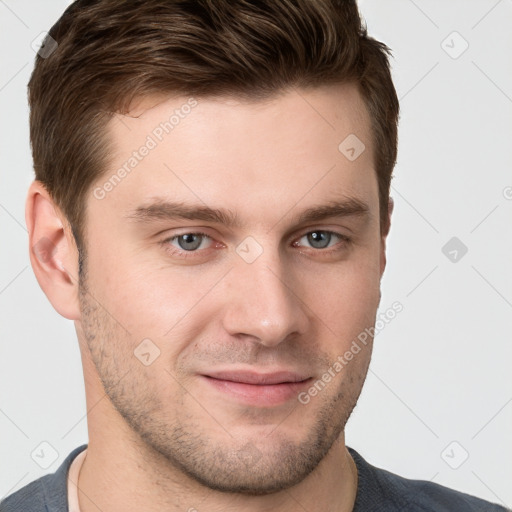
(263, 301)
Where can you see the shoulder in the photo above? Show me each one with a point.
(46, 494)
(384, 491)
(29, 498)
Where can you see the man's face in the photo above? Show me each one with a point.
(232, 316)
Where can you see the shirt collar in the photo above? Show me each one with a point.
(74, 471)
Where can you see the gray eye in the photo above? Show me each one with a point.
(189, 241)
(319, 239)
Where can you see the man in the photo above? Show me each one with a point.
(211, 208)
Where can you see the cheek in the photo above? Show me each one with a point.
(345, 296)
(151, 299)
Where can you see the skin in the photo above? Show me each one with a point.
(161, 437)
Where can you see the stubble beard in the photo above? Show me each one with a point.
(179, 442)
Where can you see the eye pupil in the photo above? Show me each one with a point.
(189, 241)
(319, 239)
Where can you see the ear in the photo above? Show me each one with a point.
(53, 251)
(384, 236)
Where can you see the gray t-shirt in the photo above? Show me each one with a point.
(378, 490)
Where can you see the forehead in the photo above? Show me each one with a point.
(256, 157)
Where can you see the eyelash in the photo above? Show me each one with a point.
(345, 240)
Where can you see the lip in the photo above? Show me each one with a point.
(259, 389)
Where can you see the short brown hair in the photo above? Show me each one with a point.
(111, 52)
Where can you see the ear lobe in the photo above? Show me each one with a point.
(53, 252)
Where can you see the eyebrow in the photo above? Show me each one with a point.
(161, 209)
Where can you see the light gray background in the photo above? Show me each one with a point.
(441, 369)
